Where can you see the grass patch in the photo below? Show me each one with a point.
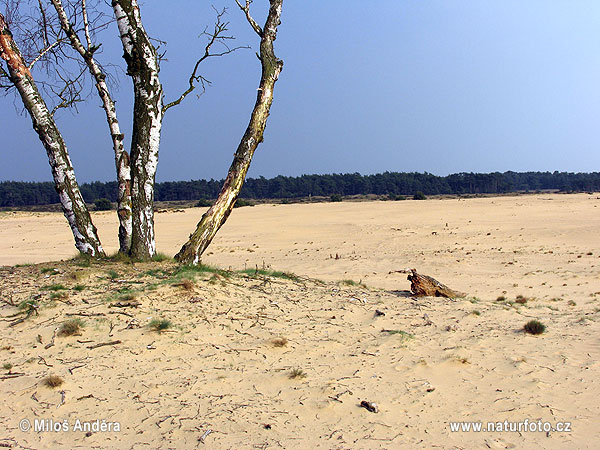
(160, 325)
(476, 312)
(49, 270)
(190, 270)
(7, 366)
(28, 304)
(128, 296)
(79, 287)
(55, 287)
(161, 257)
(271, 273)
(112, 274)
(534, 327)
(71, 327)
(403, 334)
(59, 295)
(52, 381)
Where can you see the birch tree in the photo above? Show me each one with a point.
(73, 205)
(86, 52)
(218, 213)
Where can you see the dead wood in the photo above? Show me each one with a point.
(425, 286)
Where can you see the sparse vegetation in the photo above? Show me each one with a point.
(160, 257)
(52, 381)
(297, 374)
(405, 336)
(71, 327)
(7, 366)
(419, 196)
(79, 287)
(113, 274)
(279, 342)
(187, 284)
(335, 198)
(203, 203)
(160, 325)
(55, 287)
(28, 304)
(476, 312)
(240, 202)
(534, 327)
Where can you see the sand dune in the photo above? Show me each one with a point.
(426, 362)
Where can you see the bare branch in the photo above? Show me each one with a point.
(216, 36)
(44, 51)
(246, 8)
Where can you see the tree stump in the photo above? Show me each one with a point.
(424, 286)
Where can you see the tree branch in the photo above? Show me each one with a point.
(246, 8)
(44, 51)
(217, 36)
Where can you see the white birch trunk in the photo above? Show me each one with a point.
(74, 207)
(121, 156)
(142, 67)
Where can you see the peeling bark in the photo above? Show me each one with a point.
(121, 156)
(216, 216)
(142, 67)
(74, 207)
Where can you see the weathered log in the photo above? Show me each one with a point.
(425, 286)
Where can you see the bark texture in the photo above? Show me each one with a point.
(143, 68)
(74, 207)
(121, 156)
(216, 216)
(425, 286)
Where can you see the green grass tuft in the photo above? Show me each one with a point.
(160, 324)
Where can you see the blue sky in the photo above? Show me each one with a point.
(441, 86)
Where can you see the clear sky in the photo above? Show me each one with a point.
(441, 86)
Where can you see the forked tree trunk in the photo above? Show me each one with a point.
(121, 156)
(216, 216)
(74, 207)
(142, 67)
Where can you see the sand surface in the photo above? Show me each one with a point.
(219, 369)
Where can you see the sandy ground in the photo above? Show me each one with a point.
(218, 368)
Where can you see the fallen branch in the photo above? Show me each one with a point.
(102, 344)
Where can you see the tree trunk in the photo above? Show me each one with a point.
(121, 156)
(142, 67)
(74, 207)
(216, 216)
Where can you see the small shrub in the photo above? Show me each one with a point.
(419, 196)
(71, 327)
(128, 296)
(160, 325)
(203, 203)
(335, 198)
(102, 204)
(28, 304)
(476, 312)
(52, 381)
(279, 342)
(297, 374)
(534, 327)
(7, 366)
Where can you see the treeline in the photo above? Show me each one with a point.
(389, 183)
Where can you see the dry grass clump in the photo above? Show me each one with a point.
(279, 342)
(521, 300)
(534, 327)
(187, 284)
(52, 381)
(297, 374)
(71, 327)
